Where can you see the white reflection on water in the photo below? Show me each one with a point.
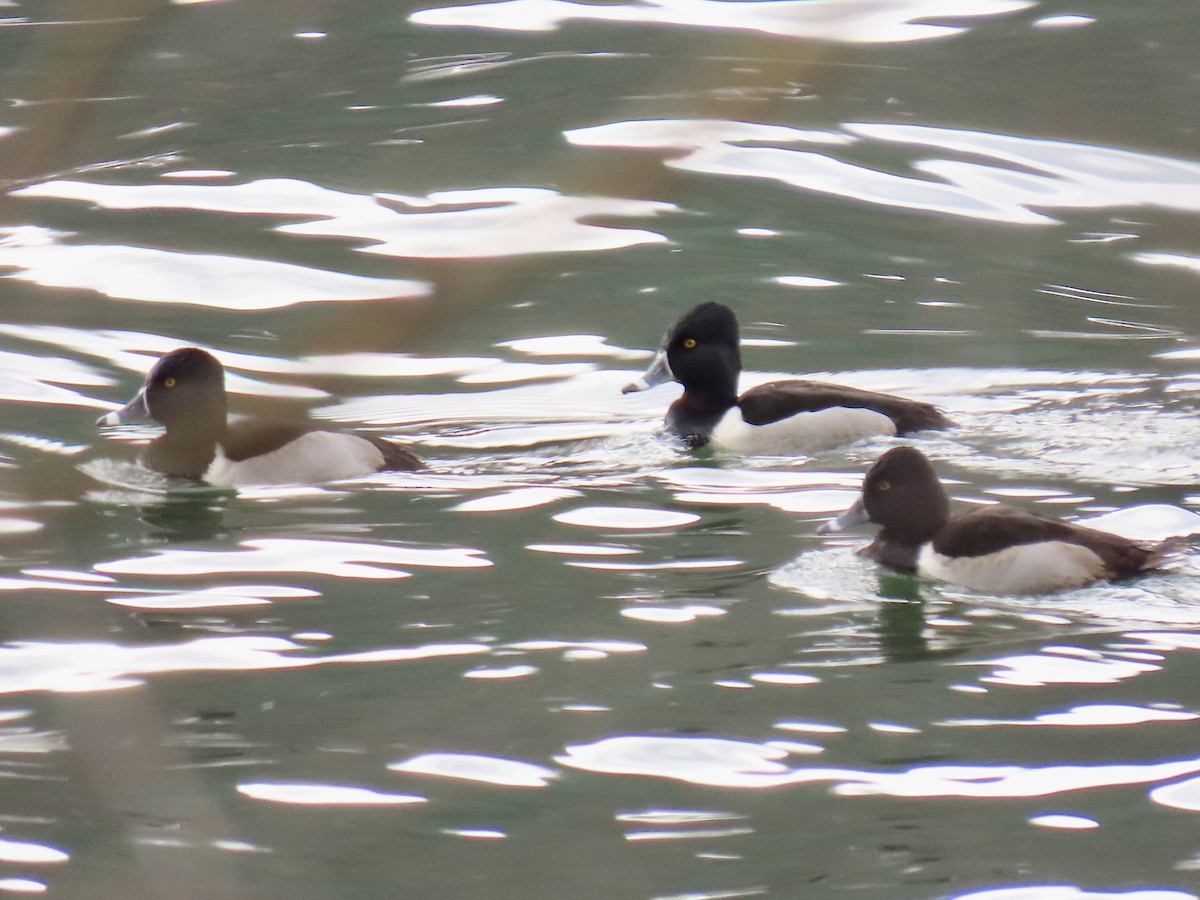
(521, 498)
(199, 279)
(582, 549)
(588, 399)
(693, 835)
(671, 615)
(1064, 21)
(49, 580)
(1167, 640)
(530, 220)
(676, 565)
(22, 886)
(1179, 260)
(625, 517)
(790, 491)
(196, 174)
(39, 379)
(708, 761)
(1059, 666)
(79, 667)
(848, 21)
(18, 526)
(720, 762)
(572, 345)
(677, 817)
(484, 834)
(509, 372)
(1069, 892)
(481, 223)
(1051, 174)
(485, 769)
(787, 678)
(158, 839)
(215, 597)
(1065, 822)
(1181, 795)
(697, 825)
(495, 674)
(14, 851)
(137, 352)
(805, 281)
(1091, 175)
(396, 365)
(323, 794)
(345, 559)
(811, 727)
(475, 100)
(594, 649)
(42, 444)
(796, 747)
(1086, 716)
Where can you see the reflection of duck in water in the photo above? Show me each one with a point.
(994, 550)
(900, 622)
(701, 351)
(185, 392)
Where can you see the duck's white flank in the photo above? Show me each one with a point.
(807, 432)
(310, 459)
(1025, 569)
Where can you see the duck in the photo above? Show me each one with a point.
(701, 351)
(994, 550)
(185, 393)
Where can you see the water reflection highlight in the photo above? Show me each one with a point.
(461, 224)
(1052, 174)
(344, 559)
(849, 21)
(83, 667)
(323, 795)
(485, 769)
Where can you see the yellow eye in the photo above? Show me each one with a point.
(169, 382)
(883, 485)
(689, 343)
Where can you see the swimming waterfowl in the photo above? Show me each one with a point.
(185, 392)
(701, 351)
(994, 550)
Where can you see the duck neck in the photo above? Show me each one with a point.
(187, 449)
(695, 423)
(893, 552)
(701, 401)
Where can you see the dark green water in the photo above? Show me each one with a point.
(569, 660)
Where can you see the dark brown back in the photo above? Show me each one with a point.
(777, 400)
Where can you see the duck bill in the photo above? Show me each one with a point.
(855, 515)
(658, 373)
(131, 413)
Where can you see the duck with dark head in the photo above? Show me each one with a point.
(994, 549)
(702, 352)
(185, 393)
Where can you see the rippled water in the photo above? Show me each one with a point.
(568, 658)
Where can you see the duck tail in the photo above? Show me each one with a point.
(396, 458)
(1162, 552)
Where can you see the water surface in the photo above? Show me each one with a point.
(569, 658)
